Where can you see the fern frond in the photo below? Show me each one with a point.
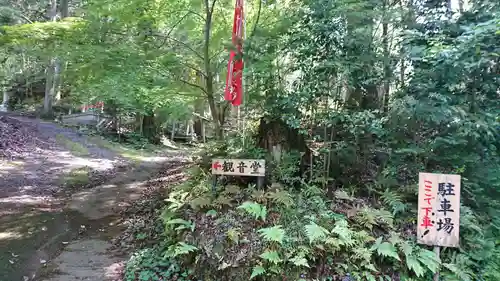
(385, 249)
(299, 261)
(343, 195)
(223, 201)
(414, 265)
(312, 190)
(361, 253)
(254, 209)
(180, 248)
(461, 273)
(200, 202)
(366, 217)
(257, 271)
(281, 197)
(429, 259)
(394, 201)
(345, 234)
(395, 239)
(385, 217)
(232, 189)
(258, 196)
(271, 256)
(315, 232)
(406, 248)
(273, 234)
(362, 237)
(183, 224)
(177, 200)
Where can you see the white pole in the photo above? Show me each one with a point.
(243, 75)
(5, 101)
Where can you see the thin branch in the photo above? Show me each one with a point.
(212, 8)
(172, 29)
(197, 14)
(194, 68)
(257, 20)
(196, 53)
(217, 54)
(189, 11)
(15, 13)
(177, 23)
(202, 117)
(193, 85)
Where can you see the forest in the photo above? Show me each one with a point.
(346, 100)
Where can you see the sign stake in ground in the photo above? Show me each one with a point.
(438, 211)
(239, 167)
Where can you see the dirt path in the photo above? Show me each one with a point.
(48, 223)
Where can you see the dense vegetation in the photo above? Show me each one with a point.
(352, 97)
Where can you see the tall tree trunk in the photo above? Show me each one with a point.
(209, 79)
(387, 63)
(51, 69)
(56, 89)
(149, 128)
(461, 6)
(49, 82)
(59, 66)
(64, 8)
(5, 101)
(199, 108)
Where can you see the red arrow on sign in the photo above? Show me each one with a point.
(216, 165)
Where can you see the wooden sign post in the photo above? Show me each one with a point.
(239, 167)
(438, 211)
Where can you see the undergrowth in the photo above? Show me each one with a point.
(290, 233)
(298, 229)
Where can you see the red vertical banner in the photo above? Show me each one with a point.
(234, 79)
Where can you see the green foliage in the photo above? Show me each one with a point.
(281, 197)
(385, 249)
(180, 248)
(182, 224)
(336, 74)
(271, 256)
(148, 265)
(315, 232)
(394, 200)
(257, 271)
(255, 210)
(273, 234)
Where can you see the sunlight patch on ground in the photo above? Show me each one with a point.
(118, 148)
(78, 176)
(136, 155)
(113, 272)
(10, 235)
(9, 166)
(82, 196)
(75, 148)
(69, 161)
(26, 200)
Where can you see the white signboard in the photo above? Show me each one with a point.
(239, 167)
(438, 210)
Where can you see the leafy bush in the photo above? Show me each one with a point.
(150, 265)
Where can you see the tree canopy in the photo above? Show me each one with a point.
(368, 93)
